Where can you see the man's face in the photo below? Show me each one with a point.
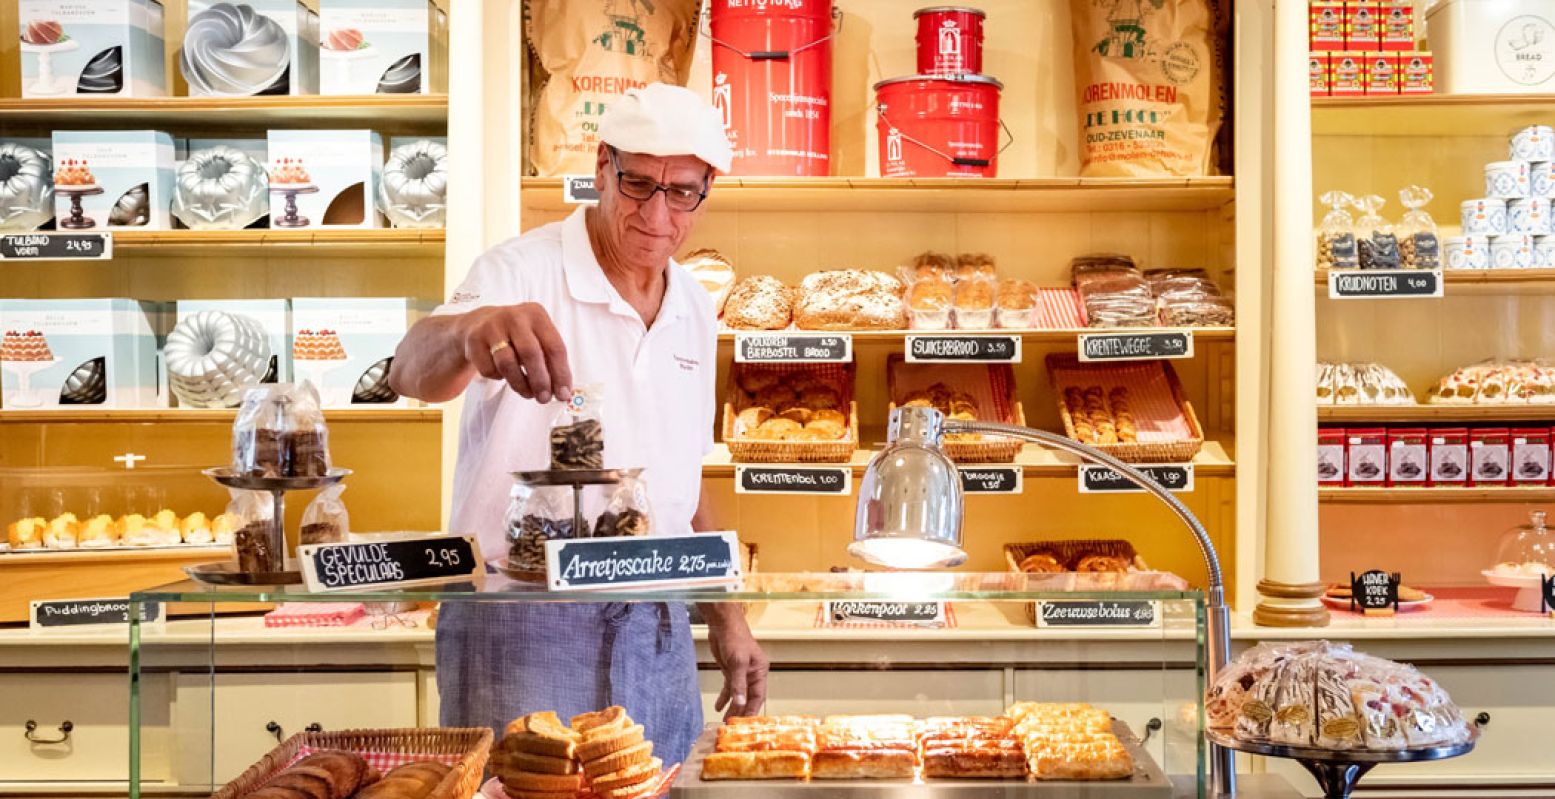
(647, 233)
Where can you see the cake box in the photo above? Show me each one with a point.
(257, 47)
(113, 179)
(324, 178)
(99, 353)
(1366, 452)
(92, 47)
(1408, 458)
(378, 46)
(1330, 456)
(1490, 456)
(1530, 455)
(344, 346)
(1449, 456)
(273, 316)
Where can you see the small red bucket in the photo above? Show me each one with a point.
(772, 84)
(950, 40)
(938, 126)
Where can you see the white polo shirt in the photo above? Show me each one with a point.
(658, 383)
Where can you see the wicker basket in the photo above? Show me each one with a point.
(1179, 451)
(992, 449)
(750, 450)
(472, 746)
(1069, 553)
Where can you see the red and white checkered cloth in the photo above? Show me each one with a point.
(991, 385)
(658, 788)
(384, 762)
(1059, 309)
(822, 622)
(315, 614)
(1157, 415)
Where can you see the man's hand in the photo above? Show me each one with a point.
(740, 658)
(519, 344)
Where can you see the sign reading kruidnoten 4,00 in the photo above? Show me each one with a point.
(1383, 284)
(625, 562)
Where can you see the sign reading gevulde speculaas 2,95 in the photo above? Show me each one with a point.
(389, 563)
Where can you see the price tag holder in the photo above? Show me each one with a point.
(835, 480)
(1384, 284)
(793, 348)
(56, 247)
(1375, 593)
(54, 614)
(626, 561)
(1176, 477)
(1547, 593)
(992, 479)
(930, 615)
(388, 564)
(1136, 346)
(579, 190)
(963, 349)
(1098, 613)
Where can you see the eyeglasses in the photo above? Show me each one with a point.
(642, 189)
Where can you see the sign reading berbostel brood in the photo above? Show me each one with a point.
(963, 349)
(793, 480)
(56, 247)
(1383, 284)
(388, 564)
(52, 613)
(625, 562)
(1135, 346)
(1099, 613)
(793, 348)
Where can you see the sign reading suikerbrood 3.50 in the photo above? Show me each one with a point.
(384, 564)
(624, 562)
(963, 349)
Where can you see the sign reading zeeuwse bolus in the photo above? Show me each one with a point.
(1135, 346)
(1384, 284)
(388, 564)
(56, 247)
(57, 613)
(1176, 477)
(1374, 591)
(907, 614)
(836, 480)
(1098, 613)
(579, 189)
(793, 348)
(627, 561)
(992, 479)
(963, 349)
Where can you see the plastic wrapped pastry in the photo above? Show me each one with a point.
(1498, 382)
(1360, 384)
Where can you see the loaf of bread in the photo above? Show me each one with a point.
(714, 272)
(759, 303)
(850, 299)
(329, 774)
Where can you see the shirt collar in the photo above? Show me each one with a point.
(586, 281)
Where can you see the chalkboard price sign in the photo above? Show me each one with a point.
(1176, 477)
(56, 247)
(1135, 346)
(963, 349)
(579, 189)
(796, 348)
(1547, 592)
(1384, 284)
(792, 480)
(911, 614)
(388, 564)
(1098, 613)
(54, 613)
(624, 562)
(991, 479)
(1374, 591)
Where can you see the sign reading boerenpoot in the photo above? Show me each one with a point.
(1176, 477)
(1383, 284)
(55, 613)
(1374, 591)
(963, 349)
(793, 348)
(1135, 346)
(625, 562)
(388, 564)
(991, 479)
(579, 189)
(908, 614)
(1098, 613)
(56, 247)
(836, 480)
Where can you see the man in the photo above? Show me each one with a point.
(594, 300)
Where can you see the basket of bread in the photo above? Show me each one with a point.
(435, 763)
(791, 413)
(963, 392)
(1136, 412)
(1088, 564)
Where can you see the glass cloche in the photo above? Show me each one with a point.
(1524, 557)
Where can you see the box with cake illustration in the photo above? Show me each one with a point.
(113, 179)
(95, 47)
(344, 346)
(70, 353)
(239, 341)
(378, 46)
(249, 48)
(324, 178)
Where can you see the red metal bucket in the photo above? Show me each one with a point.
(950, 40)
(772, 83)
(937, 126)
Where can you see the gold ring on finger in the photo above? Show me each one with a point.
(500, 346)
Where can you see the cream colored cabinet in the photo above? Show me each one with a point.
(919, 693)
(245, 706)
(95, 708)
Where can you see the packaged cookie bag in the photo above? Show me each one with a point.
(537, 514)
(578, 432)
(1418, 245)
(279, 432)
(628, 512)
(1336, 248)
(253, 512)
(1375, 239)
(325, 521)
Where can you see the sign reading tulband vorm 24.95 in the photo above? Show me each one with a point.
(625, 562)
(56, 247)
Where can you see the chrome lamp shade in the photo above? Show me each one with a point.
(909, 505)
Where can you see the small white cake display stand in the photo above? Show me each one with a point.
(1527, 586)
(46, 84)
(26, 396)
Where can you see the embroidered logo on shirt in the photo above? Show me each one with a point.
(687, 364)
(462, 297)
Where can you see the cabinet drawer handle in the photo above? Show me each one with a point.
(64, 733)
(314, 727)
(1482, 720)
(1152, 727)
(275, 729)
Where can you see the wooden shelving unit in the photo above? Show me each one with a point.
(1429, 115)
(1507, 278)
(1214, 460)
(401, 113)
(208, 416)
(388, 242)
(1435, 414)
(1435, 495)
(1050, 336)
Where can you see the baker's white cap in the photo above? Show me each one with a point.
(660, 119)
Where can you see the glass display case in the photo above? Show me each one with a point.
(252, 689)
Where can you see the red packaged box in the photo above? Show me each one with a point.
(1362, 27)
(1530, 455)
(1326, 25)
(1398, 25)
(1317, 74)
(1330, 456)
(1381, 74)
(1409, 459)
(1366, 456)
(1449, 456)
(1347, 75)
(1490, 457)
(1416, 72)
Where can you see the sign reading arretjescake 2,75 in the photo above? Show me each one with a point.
(626, 562)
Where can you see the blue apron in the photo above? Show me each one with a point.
(496, 662)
